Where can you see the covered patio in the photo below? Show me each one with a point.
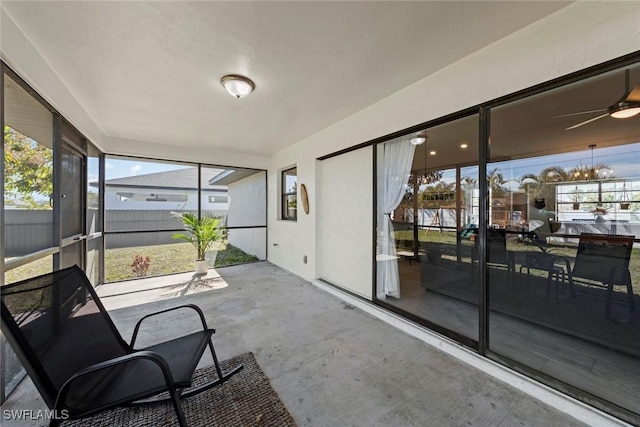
(330, 362)
(454, 120)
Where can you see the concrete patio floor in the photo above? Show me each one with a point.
(331, 363)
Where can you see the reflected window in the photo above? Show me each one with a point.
(218, 199)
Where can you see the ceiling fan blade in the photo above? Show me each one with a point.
(634, 95)
(587, 121)
(578, 113)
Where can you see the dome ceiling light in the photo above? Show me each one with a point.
(237, 85)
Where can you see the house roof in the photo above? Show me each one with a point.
(186, 178)
(229, 176)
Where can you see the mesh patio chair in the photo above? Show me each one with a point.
(78, 360)
(497, 253)
(605, 259)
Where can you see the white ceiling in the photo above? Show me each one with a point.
(150, 71)
(529, 127)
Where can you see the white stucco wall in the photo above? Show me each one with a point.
(247, 207)
(344, 233)
(248, 200)
(578, 36)
(250, 240)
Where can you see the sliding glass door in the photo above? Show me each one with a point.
(565, 195)
(427, 214)
(516, 231)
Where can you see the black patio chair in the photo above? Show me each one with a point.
(497, 253)
(604, 259)
(78, 360)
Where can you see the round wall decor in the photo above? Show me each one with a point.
(305, 198)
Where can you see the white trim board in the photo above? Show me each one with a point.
(560, 401)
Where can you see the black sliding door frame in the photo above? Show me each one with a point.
(483, 346)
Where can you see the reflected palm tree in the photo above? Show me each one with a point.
(496, 183)
(543, 185)
(469, 184)
(599, 171)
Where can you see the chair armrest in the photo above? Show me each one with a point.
(108, 364)
(191, 306)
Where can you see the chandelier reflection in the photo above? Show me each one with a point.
(595, 172)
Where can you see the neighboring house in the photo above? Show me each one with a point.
(171, 190)
(237, 195)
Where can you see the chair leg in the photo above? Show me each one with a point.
(221, 377)
(528, 273)
(632, 303)
(571, 285)
(215, 362)
(607, 310)
(549, 282)
(177, 405)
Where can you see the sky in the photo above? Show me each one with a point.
(623, 161)
(117, 168)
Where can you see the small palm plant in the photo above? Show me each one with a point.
(202, 233)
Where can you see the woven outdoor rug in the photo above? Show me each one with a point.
(246, 399)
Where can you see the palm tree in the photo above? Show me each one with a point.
(469, 184)
(496, 183)
(543, 185)
(202, 233)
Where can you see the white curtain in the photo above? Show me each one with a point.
(397, 157)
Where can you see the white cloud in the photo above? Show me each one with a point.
(136, 168)
(108, 166)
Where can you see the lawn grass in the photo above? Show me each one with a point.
(36, 268)
(164, 259)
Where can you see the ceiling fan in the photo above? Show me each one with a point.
(627, 106)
